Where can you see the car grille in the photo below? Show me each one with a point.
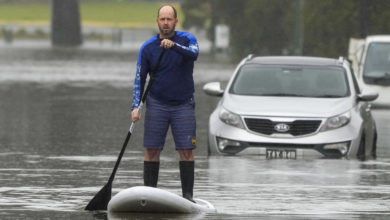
(285, 146)
(296, 128)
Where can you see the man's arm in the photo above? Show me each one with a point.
(140, 79)
(191, 51)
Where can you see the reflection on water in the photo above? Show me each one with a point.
(310, 187)
(59, 141)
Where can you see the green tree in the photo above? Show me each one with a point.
(267, 27)
(196, 13)
(378, 16)
(65, 23)
(271, 27)
(328, 26)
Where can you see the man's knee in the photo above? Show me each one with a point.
(152, 155)
(186, 155)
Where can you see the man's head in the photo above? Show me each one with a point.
(167, 20)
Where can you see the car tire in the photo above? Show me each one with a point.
(211, 151)
(361, 154)
(208, 149)
(374, 142)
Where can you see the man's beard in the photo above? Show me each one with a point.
(167, 33)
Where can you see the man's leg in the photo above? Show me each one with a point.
(183, 126)
(151, 167)
(187, 168)
(156, 127)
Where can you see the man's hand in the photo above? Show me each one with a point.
(134, 115)
(166, 43)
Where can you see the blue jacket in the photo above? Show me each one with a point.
(174, 83)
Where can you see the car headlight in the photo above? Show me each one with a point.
(230, 118)
(337, 121)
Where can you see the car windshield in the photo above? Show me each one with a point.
(301, 81)
(377, 64)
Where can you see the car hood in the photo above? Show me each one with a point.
(286, 106)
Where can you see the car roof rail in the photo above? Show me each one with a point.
(249, 57)
(341, 60)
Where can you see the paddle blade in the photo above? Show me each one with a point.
(101, 199)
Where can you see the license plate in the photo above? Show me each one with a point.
(272, 153)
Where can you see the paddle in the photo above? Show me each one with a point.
(101, 199)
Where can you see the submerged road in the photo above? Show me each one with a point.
(64, 116)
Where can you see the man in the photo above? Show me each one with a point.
(170, 101)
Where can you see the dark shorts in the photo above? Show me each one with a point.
(158, 118)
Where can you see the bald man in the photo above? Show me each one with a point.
(170, 101)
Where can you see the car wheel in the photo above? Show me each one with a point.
(361, 154)
(208, 149)
(373, 151)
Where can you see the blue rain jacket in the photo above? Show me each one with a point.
(174, 83)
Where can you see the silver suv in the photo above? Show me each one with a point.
(290, 106)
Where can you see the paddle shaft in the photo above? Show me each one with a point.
(101, 199)
(143, 99)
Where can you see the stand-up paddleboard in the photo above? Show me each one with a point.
(154, 200)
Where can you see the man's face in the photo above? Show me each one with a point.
(166, 21)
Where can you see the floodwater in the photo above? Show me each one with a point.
(64, 115)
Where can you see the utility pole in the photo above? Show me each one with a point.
(299, 27)
(65, 23)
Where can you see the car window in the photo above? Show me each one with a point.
(377, 63)
(305, 81)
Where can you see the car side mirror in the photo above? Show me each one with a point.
(213, 89)
(368, 97)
